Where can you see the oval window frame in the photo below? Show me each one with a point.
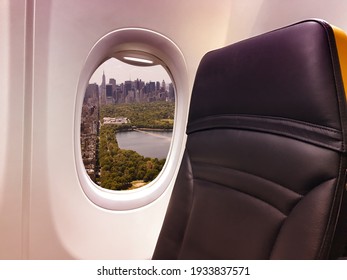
(167, 53)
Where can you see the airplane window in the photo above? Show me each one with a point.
(126, 122)
(132, 98)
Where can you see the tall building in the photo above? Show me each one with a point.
(103, 83)
(92, 92)
(109, 94)
(150, 87)
(127, 87)
(103, 90)
(171, 92)
(114, 89)
(113, 83)
(90, 130)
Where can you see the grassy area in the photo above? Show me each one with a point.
(165, 121)
(158, 114)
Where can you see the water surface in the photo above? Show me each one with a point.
(154, 144)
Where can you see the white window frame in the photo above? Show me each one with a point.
(165, 52)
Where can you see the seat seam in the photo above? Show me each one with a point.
(249, 173)
(190, 206)
(322, 136)
(296, 205)
(240, 191)
(263, 117)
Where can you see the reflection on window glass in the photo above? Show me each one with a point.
(126, 124)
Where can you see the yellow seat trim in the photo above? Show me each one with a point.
(341, 44)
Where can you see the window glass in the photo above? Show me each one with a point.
(126, 123)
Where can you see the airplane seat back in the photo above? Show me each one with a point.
(263, 173)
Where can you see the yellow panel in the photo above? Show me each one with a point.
(341, 43)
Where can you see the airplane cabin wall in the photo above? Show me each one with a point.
(63, 222)
(255, 17)
(12, 83)
(44, 213)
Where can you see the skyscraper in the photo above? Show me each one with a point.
(103, 90)
(109, 94)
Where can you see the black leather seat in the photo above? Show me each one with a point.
(263, 174)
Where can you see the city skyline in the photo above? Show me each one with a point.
(122, 72)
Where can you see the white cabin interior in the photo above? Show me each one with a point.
(48, 50)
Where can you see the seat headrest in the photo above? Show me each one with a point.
(287, 81)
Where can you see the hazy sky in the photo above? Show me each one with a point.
(123, 72)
